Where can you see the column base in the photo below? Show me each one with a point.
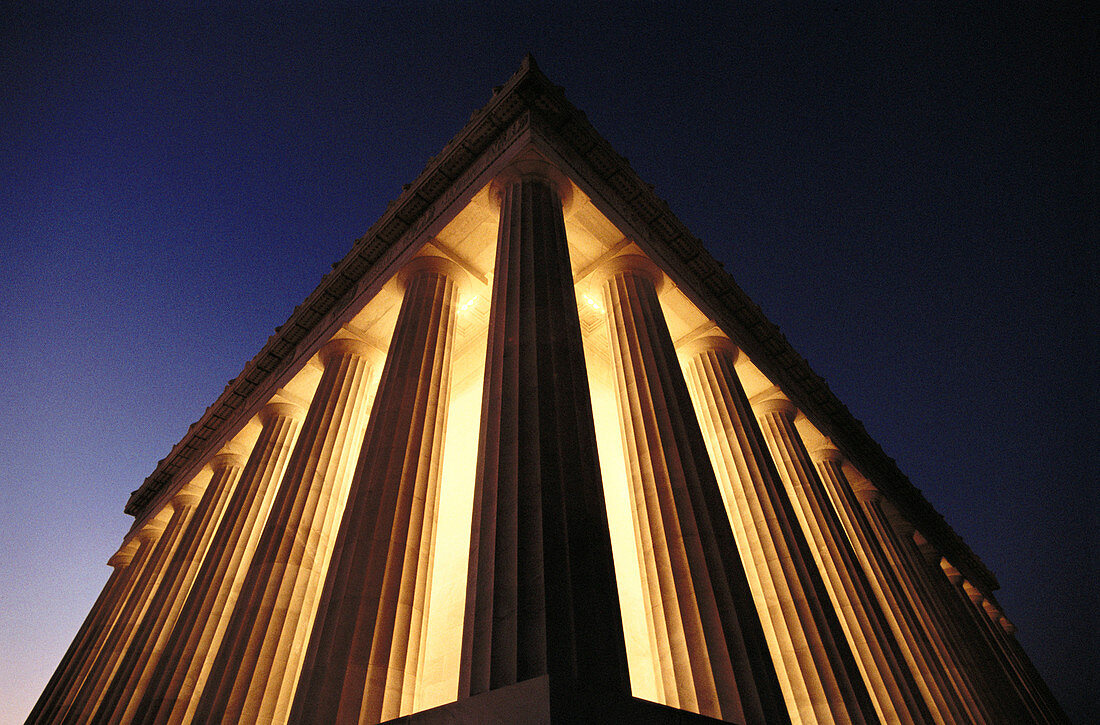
(537, 701)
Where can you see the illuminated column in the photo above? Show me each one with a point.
(182, 670)
(143, 558)
(253, 674)
(361, 664)
(714, 657)
(948, 693)
(135, 669)
(816, 671)
(125, 627)
(1001, 631)
(1013, 691)
(1049, 704)
(541, 596)
(126, 563)
(984, 611)
(954, 620)
(806, 643)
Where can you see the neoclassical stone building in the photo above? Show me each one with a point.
(528, 454)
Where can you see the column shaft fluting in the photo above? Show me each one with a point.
(253, 675)
(1029, 678)
(876, 622)
(1010, 693)
(541, 596)
(931, 658)
(362, 659)
(93, 688)
(182, 670)
(90, 637)
(966, 644)
(1011, 668)
(714, 656)
(804, 635)
(1003, 631)
(123, 694)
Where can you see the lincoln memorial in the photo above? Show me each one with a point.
(529, 454)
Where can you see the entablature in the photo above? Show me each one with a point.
(530, 111)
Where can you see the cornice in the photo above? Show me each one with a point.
(654, 226)
(529, 102)
(434, 188)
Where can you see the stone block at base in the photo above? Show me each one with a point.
(532, 702)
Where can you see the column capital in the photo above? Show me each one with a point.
(341, 345)
(227, 459)
(828, 453)
(151, 531)
(122, 558)
(630, 264)
(930, 553)
(898, 520)
(952, 573)
(535, 170)
(972, 591)
(280, 409)
(431, 264)
(1007, 626)
(718, 343)
(865, 490)
(774, 402)
(186, 496)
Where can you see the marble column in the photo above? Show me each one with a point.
(839, 631)
(714, 658)
(949, 695)
(954, 620)
(89, 639)
(1002, 631)
(123, 695)
(809, 570)
(984, 617)
(1013, 692)
(541, 596)
(182, 670)
(361, 664)
(253, 675)
(138, 603)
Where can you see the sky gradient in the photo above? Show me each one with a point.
(908, 195)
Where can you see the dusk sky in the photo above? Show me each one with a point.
(909, 194)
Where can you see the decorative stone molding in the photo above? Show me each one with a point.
(827, 453)
(122, 558)
(437, 265)
(631, 264)
(530, 104)
(275, 410)
(532, 168)
(698, 345)
(226, 459)
(338, 346)
(774, 405)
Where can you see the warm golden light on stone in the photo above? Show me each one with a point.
(529, 454)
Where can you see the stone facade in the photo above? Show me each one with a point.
(529, 454)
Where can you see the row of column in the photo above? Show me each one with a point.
(296, 586)
(180, 634)
(907, 654)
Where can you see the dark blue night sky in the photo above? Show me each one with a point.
(909, 194)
